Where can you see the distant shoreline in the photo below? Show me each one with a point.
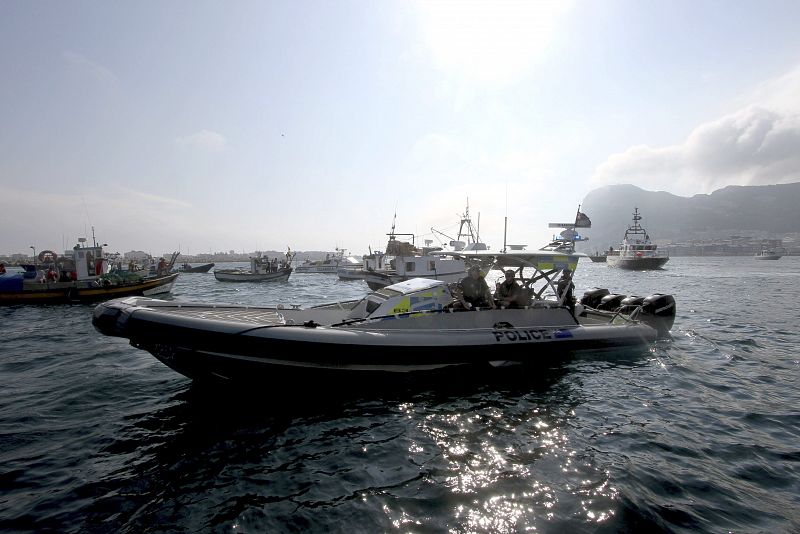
(9, 263)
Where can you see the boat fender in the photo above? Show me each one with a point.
(310, 324)
(106, 282)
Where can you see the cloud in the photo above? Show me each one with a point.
(778, 94)
(756, 145)
(205, 140)
(93, 68)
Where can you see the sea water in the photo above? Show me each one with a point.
(697, 434)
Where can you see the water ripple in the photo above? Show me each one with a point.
(695, 434)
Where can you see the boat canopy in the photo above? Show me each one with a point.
(540, 260)
(414, 285)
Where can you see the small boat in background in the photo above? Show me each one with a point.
(83, 274)
(599, 257)
(262, 269)
(767, 254)
(403, 261)
(330, 265)
(186, 268)
(637, 252)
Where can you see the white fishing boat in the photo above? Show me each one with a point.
(330, 265)
(416, 326)
(637, 252)
(262, 269)
(467, 241)
(403, 261)
(767, 254)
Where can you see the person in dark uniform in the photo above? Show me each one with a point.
(565, 290)
(509, 292)
(475, 291)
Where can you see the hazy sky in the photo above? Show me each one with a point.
(244, 125)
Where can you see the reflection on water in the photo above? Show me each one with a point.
(696, 434)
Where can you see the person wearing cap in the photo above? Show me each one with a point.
(509, 292)
(565, 288)
(475, 292)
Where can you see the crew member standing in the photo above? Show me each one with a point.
(565, 290)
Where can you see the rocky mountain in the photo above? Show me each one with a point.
(753, 211)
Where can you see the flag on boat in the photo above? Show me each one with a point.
(582, 221)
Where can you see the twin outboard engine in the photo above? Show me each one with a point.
(658, 311)
(611, 302)
(592, 297)
(629, 304)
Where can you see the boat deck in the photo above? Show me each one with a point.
(255, 316)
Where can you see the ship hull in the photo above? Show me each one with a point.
(81, 292)
(636, 264)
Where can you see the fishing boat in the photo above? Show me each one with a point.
(637, 252)
(403, 261)
(467, 241)
(262, 269)
(351, 273)
(767, 254)
(82, 274)
(599, 257)
(330, 265)
(416, 326)
(186, 268)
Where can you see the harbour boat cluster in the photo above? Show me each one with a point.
(416, 326)
(429, 308)
(445, 320)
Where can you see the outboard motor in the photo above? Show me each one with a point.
(658, 311)
(629, 304)
(592, 297)
(611, 302)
